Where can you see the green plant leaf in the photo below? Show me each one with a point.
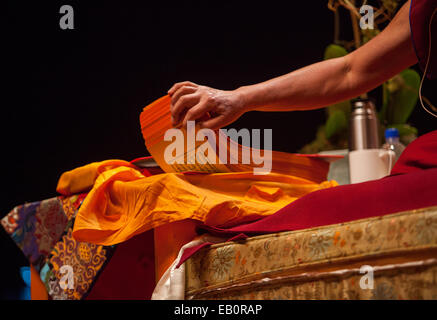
(344, 106)
(334, 51)
(407, 133)
(369, 34)
(336, 123)
(403, 93)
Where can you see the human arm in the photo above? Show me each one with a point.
(311, 87)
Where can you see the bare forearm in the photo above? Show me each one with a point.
(314, 86)
(335, 80)
(311, 87)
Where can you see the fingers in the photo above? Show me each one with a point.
(215, 123)
(197, 111)
(182, 98)
(176, 86)
(183, 90)
(190, 102)
(184, 102)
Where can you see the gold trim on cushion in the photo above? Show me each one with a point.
(288, 258)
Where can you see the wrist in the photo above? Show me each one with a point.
(243, 97)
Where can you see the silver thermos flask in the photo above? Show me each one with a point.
(367, 161)
(363, 126)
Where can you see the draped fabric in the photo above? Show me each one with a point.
(411, 185)
(226, 154)
(123, 202)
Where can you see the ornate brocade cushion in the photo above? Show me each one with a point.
(324, 262)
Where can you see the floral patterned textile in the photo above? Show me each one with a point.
(324, 262)
(85, 259)
(36, 227)
(42, 230)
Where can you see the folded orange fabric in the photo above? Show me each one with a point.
(82, 179)
(123, 202)
(155, 122)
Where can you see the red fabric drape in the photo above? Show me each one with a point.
(412, 185)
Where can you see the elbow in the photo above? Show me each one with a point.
(345, 83)
(355, 81)
(347, 71)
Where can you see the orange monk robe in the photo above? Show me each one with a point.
(82, 179)
(123, 203)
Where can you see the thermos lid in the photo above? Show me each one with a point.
(363, 106)
(363, 125)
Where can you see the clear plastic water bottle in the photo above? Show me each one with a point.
(392, 142)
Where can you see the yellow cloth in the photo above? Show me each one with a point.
(123, 202)
(82, 179)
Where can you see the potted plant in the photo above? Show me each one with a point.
(399, 94)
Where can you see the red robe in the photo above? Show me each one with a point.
(423, 17)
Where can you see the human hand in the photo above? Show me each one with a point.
(214, 108)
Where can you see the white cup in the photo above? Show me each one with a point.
(370, 164)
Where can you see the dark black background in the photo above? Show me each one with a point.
(71, 97)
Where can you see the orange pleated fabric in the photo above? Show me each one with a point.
(123, 202)
(82, 179)
(155, 120)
